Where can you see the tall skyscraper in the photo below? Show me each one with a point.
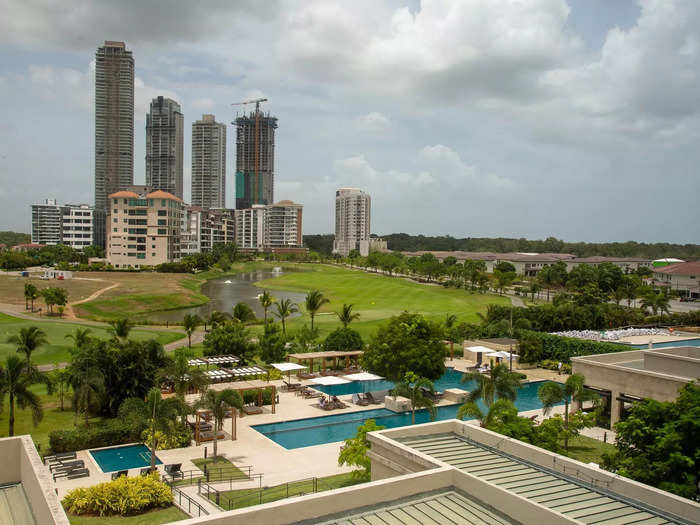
(114, 121)
(255, 159)
(208, 163)
(164, 146)
(352, 221)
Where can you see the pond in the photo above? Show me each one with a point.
(225, 292)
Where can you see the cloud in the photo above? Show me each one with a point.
(373, 123)
(202, 104)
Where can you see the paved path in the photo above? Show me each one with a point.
(70, 314)
(516, 301)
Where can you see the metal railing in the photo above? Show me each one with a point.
(190, 477)
(187, 504)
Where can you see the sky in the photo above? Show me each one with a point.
(577, 119)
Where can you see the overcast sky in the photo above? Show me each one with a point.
(578, 119)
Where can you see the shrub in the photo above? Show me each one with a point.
(343, 339)
(539, 346)
(548, 364)
(178, 436)
(113, 432)
(123, 496)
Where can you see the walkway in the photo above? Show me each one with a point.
(70, 314)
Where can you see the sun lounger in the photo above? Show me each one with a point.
(209, 436)
(173, 470)
(376, 398)
(339, 404)
(252, 409)
(79, 473)
(306, 375)
(292, 386)
(62, 456)
(361, 401)
(145, 471)
(119, 474)
(76, 463)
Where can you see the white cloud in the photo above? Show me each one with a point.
(373, 123)
(202, 104)
(144, 94)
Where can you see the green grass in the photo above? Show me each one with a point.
(588, 450)
(376, 297)
(142, 304)
(58, 346)
(154, 517)
(222, 467)
(249, 497)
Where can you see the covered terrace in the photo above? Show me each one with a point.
(309, 358)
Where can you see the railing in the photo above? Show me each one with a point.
(190, 477)
(187, 504)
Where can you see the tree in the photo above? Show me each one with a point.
(16, 379)
(243, 313)
(230, 339)
(28, 340)
(215, 318)
(305, 339)
(504, 267)
(417, 389)
(60, 379)
(354, 452)
(86, 379)
(272, 345)
(266, 301)
(503, 279)
(120, 328)
(313, 303)
(407, 342)
(343, 339)
(346, 315)
(190, 323)
(451, 334)
(500, 383)
(657, 443)
(31, 292)
(285, 308)
(182, 376)
(573, 390)
(80, 337)
(494, 414)
(656, 301)
(219, 402)
(54, 296)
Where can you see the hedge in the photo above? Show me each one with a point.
(123, 496)
(539, 346)
(113, 432)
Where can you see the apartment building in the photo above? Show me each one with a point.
(208, 163)
(250, 230)
(275, 227)
(683, 277)
(352, 221)
(255, 159)
(164, 146)
(202, 229)
(69, 224)
(143, 229)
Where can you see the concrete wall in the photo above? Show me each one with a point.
(21, 462)
(677, 365)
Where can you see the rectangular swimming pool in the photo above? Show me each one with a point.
(123, 458)
(450, 379)
(669, 344)
(339, 427)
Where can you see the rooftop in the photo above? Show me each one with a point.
(685, 268)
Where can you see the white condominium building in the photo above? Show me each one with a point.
(208, 163)
(202, 229)
(270, 227)
(352, 221)
(69, 224)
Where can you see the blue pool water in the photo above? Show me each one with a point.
(123, 458)
(329, 429)
(450, 379)
(684, 342)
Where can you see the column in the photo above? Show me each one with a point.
(615, 407)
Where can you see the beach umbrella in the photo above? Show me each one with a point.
(363, 377)
(330, 380)
(288, 367)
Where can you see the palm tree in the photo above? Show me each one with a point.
(266, 301)
(28, 340)
(121, 328)
(31, 293)
(285, 308)
(346, 316)
(215, 318)
(160, 415)
(183, 376)
(81, 337)
(500, 383)
(219, 402)
(450, 320)
(314, 301)
(471, 409)
(573, 389)
(190, 323)
(86, 380)
(655, 301)
(414, 388)
(16, 378)
(60, 378)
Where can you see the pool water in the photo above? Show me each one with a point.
(329, 429)
(668, 344)
(450, 379)
(123, 458)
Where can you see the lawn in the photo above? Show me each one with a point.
(57, 349)
(154, 517)
(588, 450)
(248, 497)
(377, 297)
(12, 288)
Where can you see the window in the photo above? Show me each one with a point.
(116, 201)
(162, 222)
(163, 202)
(140, 255)
(115, 230)
(153, 254)
(115, 220)
(153, 246)
(162, 213)
(116, 210)
(162, 231)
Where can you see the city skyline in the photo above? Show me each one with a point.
(566, 133)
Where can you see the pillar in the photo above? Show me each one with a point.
(615, 408)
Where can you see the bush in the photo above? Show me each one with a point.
(177, 437)
(252, 397)
(540, 346)
(343, 339)
(554, 365)
(123, 496)
(113, 432)
(173, 267)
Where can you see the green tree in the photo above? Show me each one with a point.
(272, 345)
(657, 443)
(354, 452)
(266, 301)
(305, 339)
(120, 328)
(285, 308)
(494, 417)
(230, 339)
(28, 340)
(499, 383)
(30, 293)
(219, 402)
(504, 267)
(60, 379)
(503, 279)
(190, 323)
(80, 337)
(243, 313)
(343, 339)
(655, 301)
(346, 315)
(214, 319)
(573, 390)
(451, 332)
(53, 297)
(182, 376)
(418, 390)
(313, 302)
(406, 343)
(86, 379)
(16, 379)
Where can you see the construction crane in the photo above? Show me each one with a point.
(257, 102)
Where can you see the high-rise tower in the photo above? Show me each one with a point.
(208, 163)
(114, 120)
(352, 221)
(255, 159)
(164, 146)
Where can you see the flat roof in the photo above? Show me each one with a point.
(442, 508)
(569, 496)
(14, 505)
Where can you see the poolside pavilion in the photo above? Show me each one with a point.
(310, 357)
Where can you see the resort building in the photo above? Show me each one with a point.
(255, 159)
(275, 228)
(683, 277)
(352, 221)
(144, 228)
(202, 229)
(69, 224)
(164, 146)
(623, 378)
(208, 163)
(626, 264)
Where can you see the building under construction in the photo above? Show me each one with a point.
(255, 159)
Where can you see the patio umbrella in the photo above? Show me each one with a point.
(363, 377)
(330, 380)
(288, 367)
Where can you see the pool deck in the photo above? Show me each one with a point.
(644, 339)
(277, 464)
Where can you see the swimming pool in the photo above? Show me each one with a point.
(667, 344)
(329, 429)
(450, 379)
(123, 458)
